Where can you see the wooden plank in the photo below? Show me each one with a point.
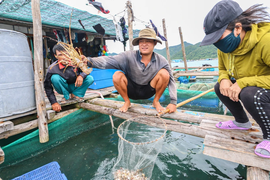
(254, 173)
(18, 115)
(254, 135)
(39, 73)
(199, 73)
(2, 156)
(235, 151)
(196, 67)
(6, 126)
(33, 124)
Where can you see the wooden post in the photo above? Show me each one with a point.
(38, 64)
(183, 49)
(166, 43)
(130, 25)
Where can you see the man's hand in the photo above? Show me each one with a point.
(225, 84)
(234, 92)
(79, 81)
(84, 59)
(56, 107)
(171, 107)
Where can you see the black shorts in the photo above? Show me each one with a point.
(136, 91)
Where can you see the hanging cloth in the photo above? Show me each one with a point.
(98, 6)
(56, 34)
(158, 34)
(63, 36)
(124, 30)
(118, 31)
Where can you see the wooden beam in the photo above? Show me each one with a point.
(254, 173)
(196, 67)
(39, 73)
(186, 128)
(6, 126)
(235, 151)
(183, 48)
(182, 115)
(200, 73)
(166, 43)
(130, 25)
(33, 124)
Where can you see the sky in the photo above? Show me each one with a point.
(187, 14)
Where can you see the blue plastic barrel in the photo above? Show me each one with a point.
(17, 92)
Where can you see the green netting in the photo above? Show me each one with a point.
(54, 13)
(59, 132)
(196, 86)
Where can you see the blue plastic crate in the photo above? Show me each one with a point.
(49, 171)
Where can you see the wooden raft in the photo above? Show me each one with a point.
(232, 145)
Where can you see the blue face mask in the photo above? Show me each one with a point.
(229, 43)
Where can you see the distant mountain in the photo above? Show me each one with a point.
(193, 52)
(112, 54)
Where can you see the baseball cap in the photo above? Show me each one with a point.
(218, 19)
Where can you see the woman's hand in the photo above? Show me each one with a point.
(234, 92)
(224, 87)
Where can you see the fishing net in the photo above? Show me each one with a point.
(140, 141)
(60, 131)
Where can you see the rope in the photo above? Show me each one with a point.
(143, 143)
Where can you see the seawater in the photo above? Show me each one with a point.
(92, 154)
(196, 63)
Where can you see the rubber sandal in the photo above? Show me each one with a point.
(229, 125)
(264, 145)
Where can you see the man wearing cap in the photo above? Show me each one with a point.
(143, 74)
(242, 39)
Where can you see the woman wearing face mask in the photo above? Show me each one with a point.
(243, 42)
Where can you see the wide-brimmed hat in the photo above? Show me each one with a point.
(146, 34)
(218, 19)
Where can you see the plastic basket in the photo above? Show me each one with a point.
(47, 172)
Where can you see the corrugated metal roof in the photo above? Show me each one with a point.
(57, 14)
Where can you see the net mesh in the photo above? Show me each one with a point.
(59, 132)
(138, 147)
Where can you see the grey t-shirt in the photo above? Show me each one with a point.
(130, 63)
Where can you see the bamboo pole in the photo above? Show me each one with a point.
(130, 24)
(186, 101)
(39, 88)
(166, 43)
(183, 48)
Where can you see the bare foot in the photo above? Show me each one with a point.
(125, 107)
(158, 107)
(72, 96)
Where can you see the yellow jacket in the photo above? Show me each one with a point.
(249, 63)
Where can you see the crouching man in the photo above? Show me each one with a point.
(66, 79)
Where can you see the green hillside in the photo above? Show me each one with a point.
(193, 52)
